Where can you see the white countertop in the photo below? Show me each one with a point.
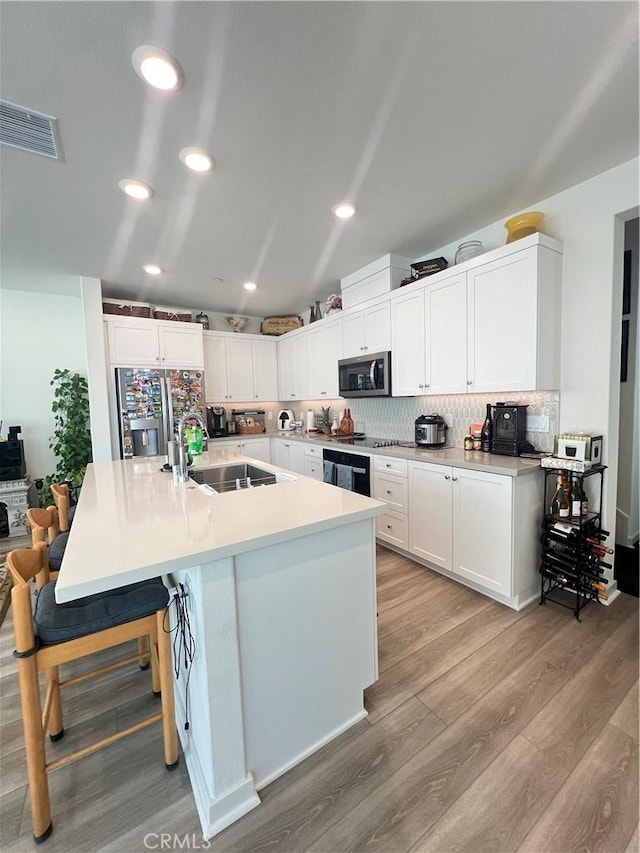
(511, 466)
(133, 523)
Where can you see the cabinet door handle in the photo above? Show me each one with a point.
(427, 385)
(365, 347)
(292, 395)
(323, 392)
(455, 479)
(469, 382)
(388, 527)
(388, 491)
(447, 477)
(421, 385)
(388, 465)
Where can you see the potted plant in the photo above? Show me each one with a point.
(325, 420)
(71, 440)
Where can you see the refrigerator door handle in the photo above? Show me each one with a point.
(167, 409)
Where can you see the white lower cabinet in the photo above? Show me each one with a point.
(313, 461)
(390, 486)
(477, 526)
(289, 455)
(256, 448)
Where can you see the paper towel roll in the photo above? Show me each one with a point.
(311, 421)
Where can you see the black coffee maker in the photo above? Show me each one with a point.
(509, 427)
(216, 421)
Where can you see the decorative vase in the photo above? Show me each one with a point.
(312, 314)
(203, 319)
(318, 311)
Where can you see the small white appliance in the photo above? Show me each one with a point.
(286, 419)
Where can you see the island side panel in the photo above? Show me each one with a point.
(308, 643)
(213, 744)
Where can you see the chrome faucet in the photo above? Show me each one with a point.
(183, 468)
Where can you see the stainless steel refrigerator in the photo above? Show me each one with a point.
(150, 403)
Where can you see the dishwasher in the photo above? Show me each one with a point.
(361, 467)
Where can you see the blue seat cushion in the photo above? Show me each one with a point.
(71, 513)
(56, 551)
(55, 623)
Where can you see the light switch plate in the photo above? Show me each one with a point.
(538, 423)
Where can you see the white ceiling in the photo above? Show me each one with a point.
(435, 118)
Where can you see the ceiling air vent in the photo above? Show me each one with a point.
(29, 130)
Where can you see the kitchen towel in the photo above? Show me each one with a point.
(328, 472)
(344, 477)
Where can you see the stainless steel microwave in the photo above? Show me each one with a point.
(365, 375)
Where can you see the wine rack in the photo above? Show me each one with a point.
(571, 561)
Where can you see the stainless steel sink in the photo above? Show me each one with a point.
(237, 475)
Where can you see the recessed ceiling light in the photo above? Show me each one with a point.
(197, 159)
(152, 269)
(250, 285)
(157, 68)
(344, 210)
(135, 189)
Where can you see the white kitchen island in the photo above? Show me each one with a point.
(280, 593)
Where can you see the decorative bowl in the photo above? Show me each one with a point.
(237, 323)
(523, 224)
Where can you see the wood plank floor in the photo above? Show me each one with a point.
(488, 730)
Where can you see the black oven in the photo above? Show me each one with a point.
(359, 464)
(365, 375)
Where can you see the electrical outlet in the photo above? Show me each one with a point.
(538, 423)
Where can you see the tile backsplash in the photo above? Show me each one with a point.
(393, 417)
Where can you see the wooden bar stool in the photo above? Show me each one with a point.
(45, 527)
(53, 634)
(62, 498)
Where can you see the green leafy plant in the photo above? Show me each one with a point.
(71, 440)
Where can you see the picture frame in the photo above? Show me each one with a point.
(626, 283)
(624, 351)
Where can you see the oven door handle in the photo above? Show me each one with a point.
(359, 470)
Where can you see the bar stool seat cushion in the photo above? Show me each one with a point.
(55, 623)
(71, 513)
(56, 551)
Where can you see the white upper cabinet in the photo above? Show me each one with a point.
(492, 326)
(136, 341)
(514, 306)
(408, 345)
(367, 331)
(293, 379)
(265, 370)
(446, 337)
(239, 368)
(324, 348)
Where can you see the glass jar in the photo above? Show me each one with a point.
(468, 250)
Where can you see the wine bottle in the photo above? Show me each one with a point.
(486, 432)
(562, 529)
(593, 541)
(576, 497)
(560, 505)
(554, 509)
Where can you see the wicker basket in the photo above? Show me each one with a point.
(256, 429)
(167, 314)
(125, 309)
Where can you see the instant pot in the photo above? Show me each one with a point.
(431, 431)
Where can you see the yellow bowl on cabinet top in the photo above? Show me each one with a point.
(523, 224)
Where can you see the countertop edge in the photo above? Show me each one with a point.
(508, 466)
